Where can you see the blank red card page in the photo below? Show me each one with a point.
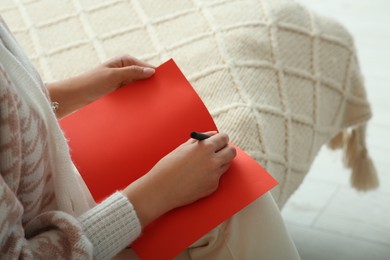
(119, 138)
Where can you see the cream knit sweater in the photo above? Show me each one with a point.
(44, 205)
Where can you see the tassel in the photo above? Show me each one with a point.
(364, 175)
(352, 147)
(356, 157)
(337, 142)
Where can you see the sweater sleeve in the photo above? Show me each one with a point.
(111, 225)
(100, 233)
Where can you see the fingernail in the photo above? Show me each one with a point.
(149, 71)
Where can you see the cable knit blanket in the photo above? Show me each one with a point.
(279, 79)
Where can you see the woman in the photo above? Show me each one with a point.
(46, 210)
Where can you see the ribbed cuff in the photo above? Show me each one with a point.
(111, 225)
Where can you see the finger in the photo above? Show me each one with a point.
(128, 60)
(133, 73)
(227, 154)
(125, 61)
(219, 141)
(210, 133)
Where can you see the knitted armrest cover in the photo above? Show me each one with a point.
(281, 80)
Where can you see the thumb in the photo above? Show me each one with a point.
(133, 73)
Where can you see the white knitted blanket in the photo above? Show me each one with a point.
(279, 79)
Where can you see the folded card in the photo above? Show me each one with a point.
(120, 137)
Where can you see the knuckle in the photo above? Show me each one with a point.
(209, 146)
(127, 57)
(136, 69)
(224, 137)
(233, 151)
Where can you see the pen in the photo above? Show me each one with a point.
(199, 136)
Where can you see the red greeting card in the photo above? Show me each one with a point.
(120, 137)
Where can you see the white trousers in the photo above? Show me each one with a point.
(256, 232)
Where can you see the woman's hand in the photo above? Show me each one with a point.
(76, 92)
(190, 172)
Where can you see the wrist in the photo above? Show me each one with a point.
(146, 200)
(68, 94)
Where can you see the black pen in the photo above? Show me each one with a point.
(199, 136)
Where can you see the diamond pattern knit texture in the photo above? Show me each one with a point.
(278, 78)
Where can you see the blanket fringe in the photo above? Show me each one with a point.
(364, 176)
(337, 142)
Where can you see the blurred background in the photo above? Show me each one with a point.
(326, 217)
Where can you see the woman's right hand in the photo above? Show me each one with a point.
(190, 172)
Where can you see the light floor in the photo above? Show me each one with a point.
(326, 217)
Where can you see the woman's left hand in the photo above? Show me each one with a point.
(76, 92)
